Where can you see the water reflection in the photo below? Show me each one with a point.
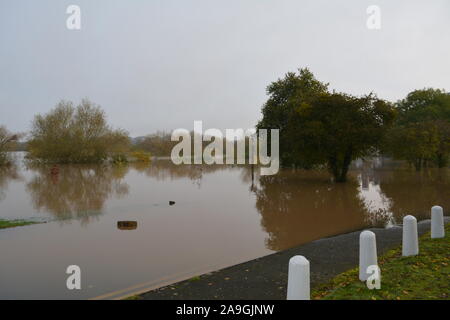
(223, 215)
(414, 193)
(378, 206)
(297, 207)
(392, 189)
(165, 170)
(76, 191)
(7, 174)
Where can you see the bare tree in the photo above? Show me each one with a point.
(6, 141)
(69, 134)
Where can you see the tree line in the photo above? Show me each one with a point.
(319, 128)
(327, 129)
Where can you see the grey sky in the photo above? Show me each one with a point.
(163, 64)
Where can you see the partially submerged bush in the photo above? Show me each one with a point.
(7, 140)
(69, 134)
(119, 158)
(141, 156)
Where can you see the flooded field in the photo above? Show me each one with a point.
(135, 227)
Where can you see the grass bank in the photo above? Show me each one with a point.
(426, 276)
(16, 223)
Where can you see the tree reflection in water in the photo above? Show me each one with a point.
(300, 206)
(8, 173)
(295, 206)
(412, 192)
(165, 170)
(76, 191)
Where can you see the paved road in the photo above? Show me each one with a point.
(266, 277)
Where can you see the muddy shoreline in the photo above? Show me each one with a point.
(266, 278)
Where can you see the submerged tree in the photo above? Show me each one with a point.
(69, 134)
(318, 128)
(285, 96)
(416, 142)
(158, 144)
(422, 131)
(7, 139)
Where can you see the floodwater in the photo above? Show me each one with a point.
(117, 225)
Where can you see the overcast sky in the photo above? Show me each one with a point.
(161, 64)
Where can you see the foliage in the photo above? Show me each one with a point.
(141, 156)
(7, 141)
(422, 131)
(337, 128)
(69, 134)
(318, 128)
(119, 158)
(426, 276)
(424, 105)
(158, 144)
(285, 95)
(416, 143)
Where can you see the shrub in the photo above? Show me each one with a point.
(69, 134)
(141, 156)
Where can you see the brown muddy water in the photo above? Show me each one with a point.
(116, 223)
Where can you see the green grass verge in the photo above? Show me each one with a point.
(15, 223)
(426, 276)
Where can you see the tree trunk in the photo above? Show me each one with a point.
(340, 170)
(418, 164)
(333, 167)
(442, 161)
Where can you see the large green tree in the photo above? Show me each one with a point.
(422, 130)
(318, 128)
(285, 95)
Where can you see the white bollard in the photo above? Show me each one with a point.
(437, 222)
(410, 241)
(367, 253)
(298, 279)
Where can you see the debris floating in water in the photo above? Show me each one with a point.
(127, 225)
(171, 203)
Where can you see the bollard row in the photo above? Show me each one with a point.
(298, 287)
(298, 279)
(410, 240)
(367, 253)
(437, 222)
